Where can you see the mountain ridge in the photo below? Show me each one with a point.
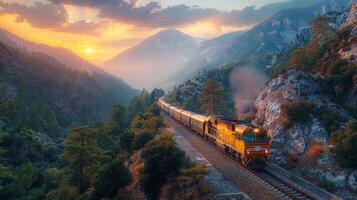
(162, 53)
(63, 55)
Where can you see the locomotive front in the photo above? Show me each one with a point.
(256, 145)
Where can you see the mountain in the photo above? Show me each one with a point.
(266, 38)
(51, 97)
(207, 51)
(63, 55)
(115, 86)
(147, 64)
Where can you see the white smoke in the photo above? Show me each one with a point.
(246, 83)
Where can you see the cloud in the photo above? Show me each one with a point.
(82, 27)
(149, 15)
(39, 15)
(153, 15)
(120, 43)
(51, 16)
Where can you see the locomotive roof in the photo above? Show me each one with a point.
(201, 118)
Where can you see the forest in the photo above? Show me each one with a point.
(91, 163)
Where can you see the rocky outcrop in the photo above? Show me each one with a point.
(294, 86)
(299, 138)
(135, 164)
(350, 53)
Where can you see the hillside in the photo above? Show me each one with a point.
(49, 97)
(162, 54)
(65, 56)
(267, 38)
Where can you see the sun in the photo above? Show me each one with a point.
(88, 51)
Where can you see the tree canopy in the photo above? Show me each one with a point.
(83, 154)
(213, 97)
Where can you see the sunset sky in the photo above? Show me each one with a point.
(99, 29)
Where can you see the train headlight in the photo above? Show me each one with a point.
(266, 150)
(256, 130)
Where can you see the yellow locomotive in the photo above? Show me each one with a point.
(249, 143)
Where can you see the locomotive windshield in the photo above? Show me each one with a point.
(261, 136)
(248, 137)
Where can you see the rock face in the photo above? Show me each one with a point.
(351, 52)
(294, 86)
(297, 139)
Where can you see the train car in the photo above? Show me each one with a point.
(177, 113)
(166, 107)
(249, 143)
(198, 123)
(161, 104)
(171, 110)
(186, 118)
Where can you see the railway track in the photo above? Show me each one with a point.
(285, 188)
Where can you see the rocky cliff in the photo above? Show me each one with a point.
(350, 52)
(297, 144)
(301, 110)
(294, 88)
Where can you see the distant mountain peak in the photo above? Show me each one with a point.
(161, 54)
(170, 35)
(171, 31)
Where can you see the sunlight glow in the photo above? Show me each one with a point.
(89, 51)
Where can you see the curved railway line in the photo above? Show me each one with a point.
(241, 142)
(285, 188)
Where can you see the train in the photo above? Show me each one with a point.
(248, 143)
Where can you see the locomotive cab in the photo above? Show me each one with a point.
(255, 142)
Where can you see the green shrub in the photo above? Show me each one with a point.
(162, 160)
(355, 83)
(142, 138)
(109, 179)
(298, 112)
(327, 185)
(345, 142)
(196, 172)
(63, 192)
(352, 109)
(126, 141)
(330, 120)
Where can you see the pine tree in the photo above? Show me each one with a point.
(162, 160)
(321, 30)
(212, 97)
(109, 179)
(5, 174)
(27, 182)
(117, 116)
(83, 154)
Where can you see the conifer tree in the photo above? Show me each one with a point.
(83, 154)
(321, 30)
(212, 97)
